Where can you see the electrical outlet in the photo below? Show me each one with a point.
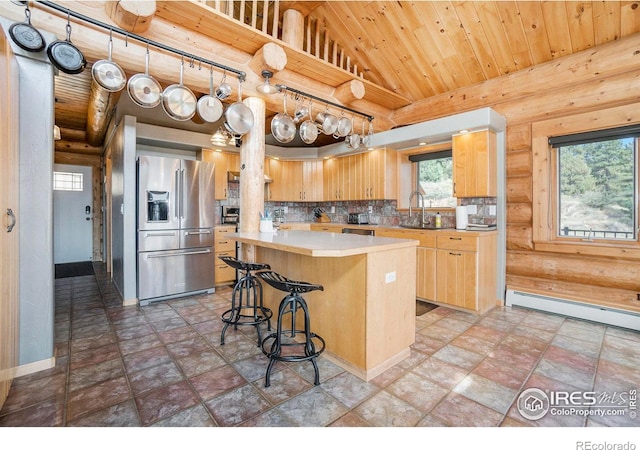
(389, 277)
(333, 210)
(472, 209)
(370, 209)
(492, 210)
(285, 209)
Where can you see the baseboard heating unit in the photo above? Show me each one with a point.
(570, 308)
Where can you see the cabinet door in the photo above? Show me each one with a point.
(329, 179)
(426, 273)
(274, 190)
(312, 182)
(475, 164)
(224, 162)
(292, 176)
(456, 273)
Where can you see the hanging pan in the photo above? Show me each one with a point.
(178, 101)
(25, 35)
(309, 129)
(238, 116)
(143, 89)
(282, 126)
(65, 56)
(209, 106)
(108, 74)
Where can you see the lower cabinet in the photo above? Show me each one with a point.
(466, 271)
(426, 273)
(224, 247)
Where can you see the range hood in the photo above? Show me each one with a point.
(235, 176)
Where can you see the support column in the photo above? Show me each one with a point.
(293, 28)
(252, 175)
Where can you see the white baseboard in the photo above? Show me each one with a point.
(571, 308)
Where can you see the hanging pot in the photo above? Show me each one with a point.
(308, 130)
(25, 35)
(353, 140)
(65, 56)
(143, 89)
(209, 106)
(238, 116)
(108, 74)
(365, 139)
(282, 126)
(178, 101)
(327, 123)
(344, 127)
(223, 91)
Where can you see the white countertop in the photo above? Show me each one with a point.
(313, 243)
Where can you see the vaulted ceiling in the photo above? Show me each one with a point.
(402, 51)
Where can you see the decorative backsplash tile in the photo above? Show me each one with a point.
(383, 212)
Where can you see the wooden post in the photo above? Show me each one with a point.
(99, 112)
(293, 28)
(252, 175)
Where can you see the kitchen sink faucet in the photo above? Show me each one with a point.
(421, 195)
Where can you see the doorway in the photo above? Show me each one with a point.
(72, 214)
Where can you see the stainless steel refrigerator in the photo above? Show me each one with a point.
(175, 227)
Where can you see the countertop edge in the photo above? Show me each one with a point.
(254, 238)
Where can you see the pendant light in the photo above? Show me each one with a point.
(266, 88)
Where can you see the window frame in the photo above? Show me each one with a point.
(545, 182)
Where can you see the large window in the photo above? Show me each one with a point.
(434, 178)
(597, 190)
(597, 184)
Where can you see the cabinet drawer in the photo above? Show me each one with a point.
(220, 231)
(224, 273)
(457, 242)
(426, 238)
(225, 245)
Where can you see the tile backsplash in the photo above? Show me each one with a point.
(383, 212)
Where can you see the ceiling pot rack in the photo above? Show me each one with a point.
(128, 35)
(285, 89)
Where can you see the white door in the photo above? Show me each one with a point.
(72, 214)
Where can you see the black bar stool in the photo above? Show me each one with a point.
(246, 299)
(284, 339)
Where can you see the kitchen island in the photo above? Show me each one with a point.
(366, 313)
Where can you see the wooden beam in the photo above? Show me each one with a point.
(99, 112)
(270, 57)
(131, 15)
(76, 147)
(347, 92)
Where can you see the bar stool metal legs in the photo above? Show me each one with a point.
(246, 299)
(285, 344)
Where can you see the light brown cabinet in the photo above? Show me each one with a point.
(466, 271)
(224, 247)
(299, 181)
(364, 176)
(224, 162)
(475, 164)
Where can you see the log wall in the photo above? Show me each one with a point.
(588, 81)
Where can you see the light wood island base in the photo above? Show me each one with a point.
(366, 313)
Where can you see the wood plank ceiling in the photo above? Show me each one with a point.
(419, 49)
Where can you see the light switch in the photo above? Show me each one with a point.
(389, 277)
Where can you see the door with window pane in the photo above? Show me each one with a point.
(72, 214)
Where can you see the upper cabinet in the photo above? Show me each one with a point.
(475, 164)
(296, 181)
(364, 176)
(224, 162)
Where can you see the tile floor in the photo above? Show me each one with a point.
(162, 366)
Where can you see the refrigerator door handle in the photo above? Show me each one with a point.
(173, 253)
(189, 233)
(182, 193)
(177, 195)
